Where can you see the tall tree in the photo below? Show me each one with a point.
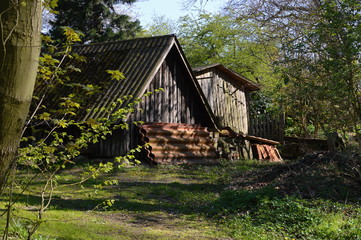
(338, 46)
(235, 43)
(97, 19)
(320, 45)
(20, 23)
(215, 38)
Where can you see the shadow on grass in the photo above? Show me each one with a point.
(329, 176)
(315, 177)
(140, 197)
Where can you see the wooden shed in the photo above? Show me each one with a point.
(228, 94)
(176, 120)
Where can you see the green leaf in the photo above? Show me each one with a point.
(115, 74)
(44, 116)
(63, 123)
(53, 3)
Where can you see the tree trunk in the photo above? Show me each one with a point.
(19, 53)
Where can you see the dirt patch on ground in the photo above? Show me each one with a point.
(331, 175)
(163, 226)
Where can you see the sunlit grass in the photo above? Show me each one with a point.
(174, 202)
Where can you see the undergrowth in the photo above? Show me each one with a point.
(317, 197)
(264, 214)
(235, 200)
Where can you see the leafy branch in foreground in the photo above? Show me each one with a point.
(54, 136)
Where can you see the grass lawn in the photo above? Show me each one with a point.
(242, 200)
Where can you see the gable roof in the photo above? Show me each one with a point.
(138, 59)
(244, 81)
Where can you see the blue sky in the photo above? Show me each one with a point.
(145, 10)
(172, 9)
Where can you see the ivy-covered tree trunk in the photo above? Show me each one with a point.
(19, 53)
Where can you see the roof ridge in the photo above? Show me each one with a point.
(206, 66)
(125, 40)
(248, 83)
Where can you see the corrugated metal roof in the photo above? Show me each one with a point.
(138, 59)
(246, 82)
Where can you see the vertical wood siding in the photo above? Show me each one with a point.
(179, 103)
(227, 98)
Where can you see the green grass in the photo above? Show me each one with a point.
(186, 202)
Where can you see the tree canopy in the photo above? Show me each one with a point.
(235, 43)
(319, 43)
(98, 20)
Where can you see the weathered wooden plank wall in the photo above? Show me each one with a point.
(179, 103)
(175, 104)
(227, 98)
(268, 126)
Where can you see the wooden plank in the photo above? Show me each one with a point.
(158, 102)
(262, 151)
(277, 153)
(174, 97)
(218, 100)
(244, 116)
(238, 110)
(169, 93)
(154, 99)
(211, 92)
(259, 139)
(247, 107)
(271, 151)
(173, 109)
(177, 98)
(147, 109)
(259, 154)
(164, 101)
(267, 152)
(183, 104)
(192, 109)
(222, 109)
(150, 105)
(188, 101)
(138, 114)
(171, 96)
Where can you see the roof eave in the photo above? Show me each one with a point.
(251, 86)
